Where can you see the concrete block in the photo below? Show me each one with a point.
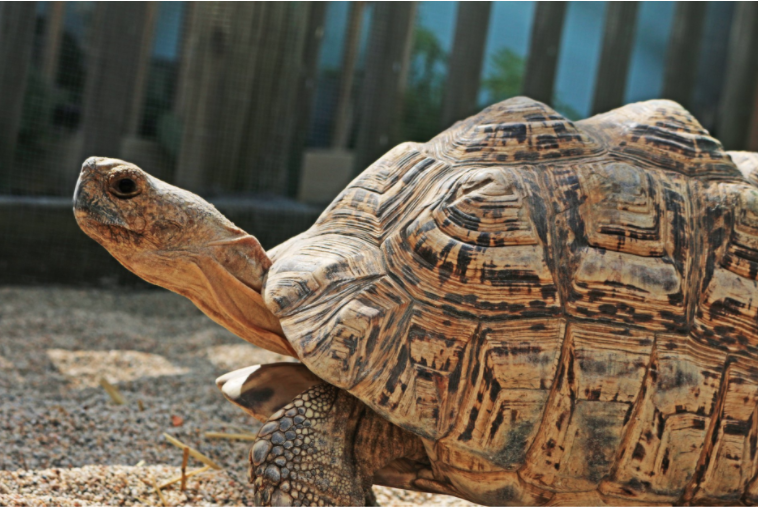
(325, 173)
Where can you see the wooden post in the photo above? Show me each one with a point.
(16, 39)
(185, 57)
(206, 58)
(618, 42)
(112, 75)
(384, 82)
(307, 87)
(143, 68)
(740, 79)
(53, 37)
(239, 93)
(684, 51)
(343, 117)
(752, 140)
(465, 69)
(269, 133)
(544, 49)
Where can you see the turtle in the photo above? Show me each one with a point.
(524, 310)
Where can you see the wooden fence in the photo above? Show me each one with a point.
(247, 76)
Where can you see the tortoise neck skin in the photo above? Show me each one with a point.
(175, 239)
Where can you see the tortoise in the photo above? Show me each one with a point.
(523, 310)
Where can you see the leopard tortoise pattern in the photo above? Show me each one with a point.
(569, 307)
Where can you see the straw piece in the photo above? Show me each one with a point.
(239, 428)
(178, 478)
(230, 436)
(140, 463)
(193, 452)
(4, 489)
(160, 493)
(114, 393)
(185, 458)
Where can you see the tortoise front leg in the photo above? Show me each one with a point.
(303, 453)
(323, 449)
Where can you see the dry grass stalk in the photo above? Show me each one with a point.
(160, 493)
(193, 452)
(140, 463)
(114, 393)
(4, 489)
(239, 428)
(230, 436)
(178, 478)
(185, 458)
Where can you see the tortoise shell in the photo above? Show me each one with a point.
(574, 304)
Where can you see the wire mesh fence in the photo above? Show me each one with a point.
(281, 104)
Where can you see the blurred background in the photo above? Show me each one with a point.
(269, 109)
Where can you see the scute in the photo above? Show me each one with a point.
(624, 234)
(516, 131)
(665, 134)
(726, 316)
(747, 163)
(380, 197)
(481, 248)
(344, 341)
(598, 378)
(567, 308)
(314, 271)
(509, 389)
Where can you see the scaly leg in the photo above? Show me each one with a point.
(323, 449)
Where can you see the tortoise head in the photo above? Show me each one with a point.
(175, 239)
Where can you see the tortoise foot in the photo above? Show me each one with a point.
(303, 454)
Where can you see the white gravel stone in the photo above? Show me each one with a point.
(65, 443)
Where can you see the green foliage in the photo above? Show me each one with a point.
(427, 55)
(422, 104)
(504, 80)
(566, 110)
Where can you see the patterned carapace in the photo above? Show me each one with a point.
(572, 307)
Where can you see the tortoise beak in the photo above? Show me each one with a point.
(87, 194)
(81, 201)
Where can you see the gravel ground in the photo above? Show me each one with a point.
(63, 442)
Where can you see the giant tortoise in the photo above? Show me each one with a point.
(524, 310)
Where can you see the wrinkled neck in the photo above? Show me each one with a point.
(222, 294)
(238, 307)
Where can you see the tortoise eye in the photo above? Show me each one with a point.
(125, 188)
